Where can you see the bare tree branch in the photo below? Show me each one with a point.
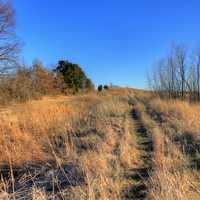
(9, 43)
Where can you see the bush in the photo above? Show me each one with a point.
(32, 83)
(27, 84)
(100, 88)
(44, 81)
(105, 87)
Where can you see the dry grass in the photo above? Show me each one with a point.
(185, 115)
(172, 178)
(24, 129)
(95, 134)
(92, 131)
(182, 185)
(104, 167)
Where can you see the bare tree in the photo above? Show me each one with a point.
(192, 81)
(194, 78)
(197, 67)
(9, 43)
(170, 77)
(180, 56)
(178, 75)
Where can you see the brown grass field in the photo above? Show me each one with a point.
(116, 144)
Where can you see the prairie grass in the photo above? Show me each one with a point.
(179, 185)
(94, 132)
(25, 129)
(185, 115)
(172, 177)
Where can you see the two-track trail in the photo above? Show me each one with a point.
(140, 175)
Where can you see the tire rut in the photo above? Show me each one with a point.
(140, 176)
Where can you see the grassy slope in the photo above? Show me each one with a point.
(97, 149)
(174, 125)
(92, 133)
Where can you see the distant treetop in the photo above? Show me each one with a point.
(74, 76)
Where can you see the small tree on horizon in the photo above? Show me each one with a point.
(105, 87)
(100, 88)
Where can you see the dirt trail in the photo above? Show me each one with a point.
(140, 175)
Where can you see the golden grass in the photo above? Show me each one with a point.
(45, 130)
(96, 132)
(182, 185)
(185, 115)
(103, 168)
(38, 194)
(24, 130)
(172, 178)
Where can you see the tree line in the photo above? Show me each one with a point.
(19, 82)
(177, 75)
(28, 83)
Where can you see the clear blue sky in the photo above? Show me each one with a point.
(114, 41)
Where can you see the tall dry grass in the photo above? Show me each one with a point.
(171, 178)
(93, 131)
(184, 114)
(179, 185)
(25, 128)
(104, 168)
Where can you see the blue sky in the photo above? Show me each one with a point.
(114, 41)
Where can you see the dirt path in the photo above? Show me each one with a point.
(140, 175)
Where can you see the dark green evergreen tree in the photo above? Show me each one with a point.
(74, 77)
(100, 88)
(105, 87)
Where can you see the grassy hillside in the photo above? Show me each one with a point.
(115, 144)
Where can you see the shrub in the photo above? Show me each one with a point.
(105, 87)
(100, 88)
